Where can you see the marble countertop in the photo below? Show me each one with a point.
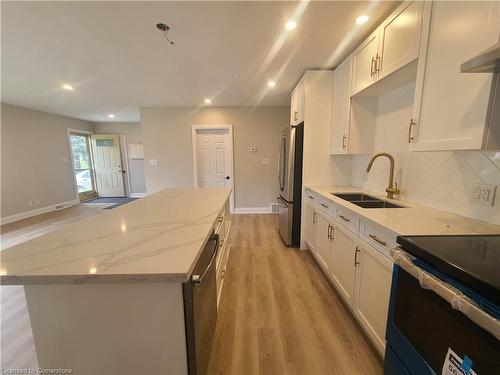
(413, 219)
(156, 238)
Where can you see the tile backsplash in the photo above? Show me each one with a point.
(442, 179)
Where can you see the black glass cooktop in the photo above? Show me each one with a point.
(472, 260)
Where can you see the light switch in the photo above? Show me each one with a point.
(153, 161)
(266, 161)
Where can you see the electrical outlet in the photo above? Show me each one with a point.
(153, 161)
(483, 194)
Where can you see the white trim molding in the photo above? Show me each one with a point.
(38, 211)
(253, 210)
(137, 195)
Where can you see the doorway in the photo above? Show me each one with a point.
(213, 157)
(109, 169)
(81, 155)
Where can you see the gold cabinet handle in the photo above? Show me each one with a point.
(295, 116)
(332, 233)
(329, 231)
(310, 196)
(344, 218)
(222, 274)
(376, 239)
(344, 139)
(410, 137)
(314, 217)
(324, 205)
(221, 218)
(377, 64)
(356, 257)
(371, 67)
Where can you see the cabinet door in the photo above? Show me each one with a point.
(450, 109)
(363, 63)
(294, 107)
(323, 243)
(399, 38)
(310, 226)
(301, 101)
(343, 262)
(373, 286)
(341, 107)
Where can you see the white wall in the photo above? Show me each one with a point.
(35, 159)
(133, 133)
(167, 138)
(438, 179)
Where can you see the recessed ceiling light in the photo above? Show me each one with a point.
(290, 25)
(67, 87)
(271, 84)
(208, 101)
(93, 270)
(361, 19)
(111, 115)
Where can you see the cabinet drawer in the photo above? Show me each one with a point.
(347, 218)
(326, 206)
(379, 238)
(311, 197)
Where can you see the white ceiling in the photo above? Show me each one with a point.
(117, 61)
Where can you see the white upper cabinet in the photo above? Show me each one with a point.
(364, 64)
(399, 38)
(394, 44)
(341, 107)
(450, 110)
(297, 105)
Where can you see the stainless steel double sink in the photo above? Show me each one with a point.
(366, 201)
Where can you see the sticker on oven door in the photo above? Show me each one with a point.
(454, 365)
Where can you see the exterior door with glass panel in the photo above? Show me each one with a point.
(82, 165)
(108, 165)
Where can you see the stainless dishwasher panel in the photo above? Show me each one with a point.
(200, 308)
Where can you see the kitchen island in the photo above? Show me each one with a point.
(106, 295)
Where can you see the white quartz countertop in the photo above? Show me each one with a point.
(413, 219)
(156, 238)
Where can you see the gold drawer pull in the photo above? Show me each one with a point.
(344, 218)
(324, 205)
(376, 239)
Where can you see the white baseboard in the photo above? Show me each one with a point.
(137, 195)
(37, 211)
(252, 210)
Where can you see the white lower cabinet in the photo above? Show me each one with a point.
(324, 241)
(310, 224)
(355, 254)
(223, 229)
(343, 262)
(373, 286)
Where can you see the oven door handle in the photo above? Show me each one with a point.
(198, 279)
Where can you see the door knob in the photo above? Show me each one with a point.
(228, 178)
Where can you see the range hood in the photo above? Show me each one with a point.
(487, 61)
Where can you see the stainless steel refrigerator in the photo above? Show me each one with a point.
(290, 184)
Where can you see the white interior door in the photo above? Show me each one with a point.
(214, 158)
(108, 165)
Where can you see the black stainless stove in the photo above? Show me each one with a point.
(472, 260)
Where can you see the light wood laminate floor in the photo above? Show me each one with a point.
(279, 314)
